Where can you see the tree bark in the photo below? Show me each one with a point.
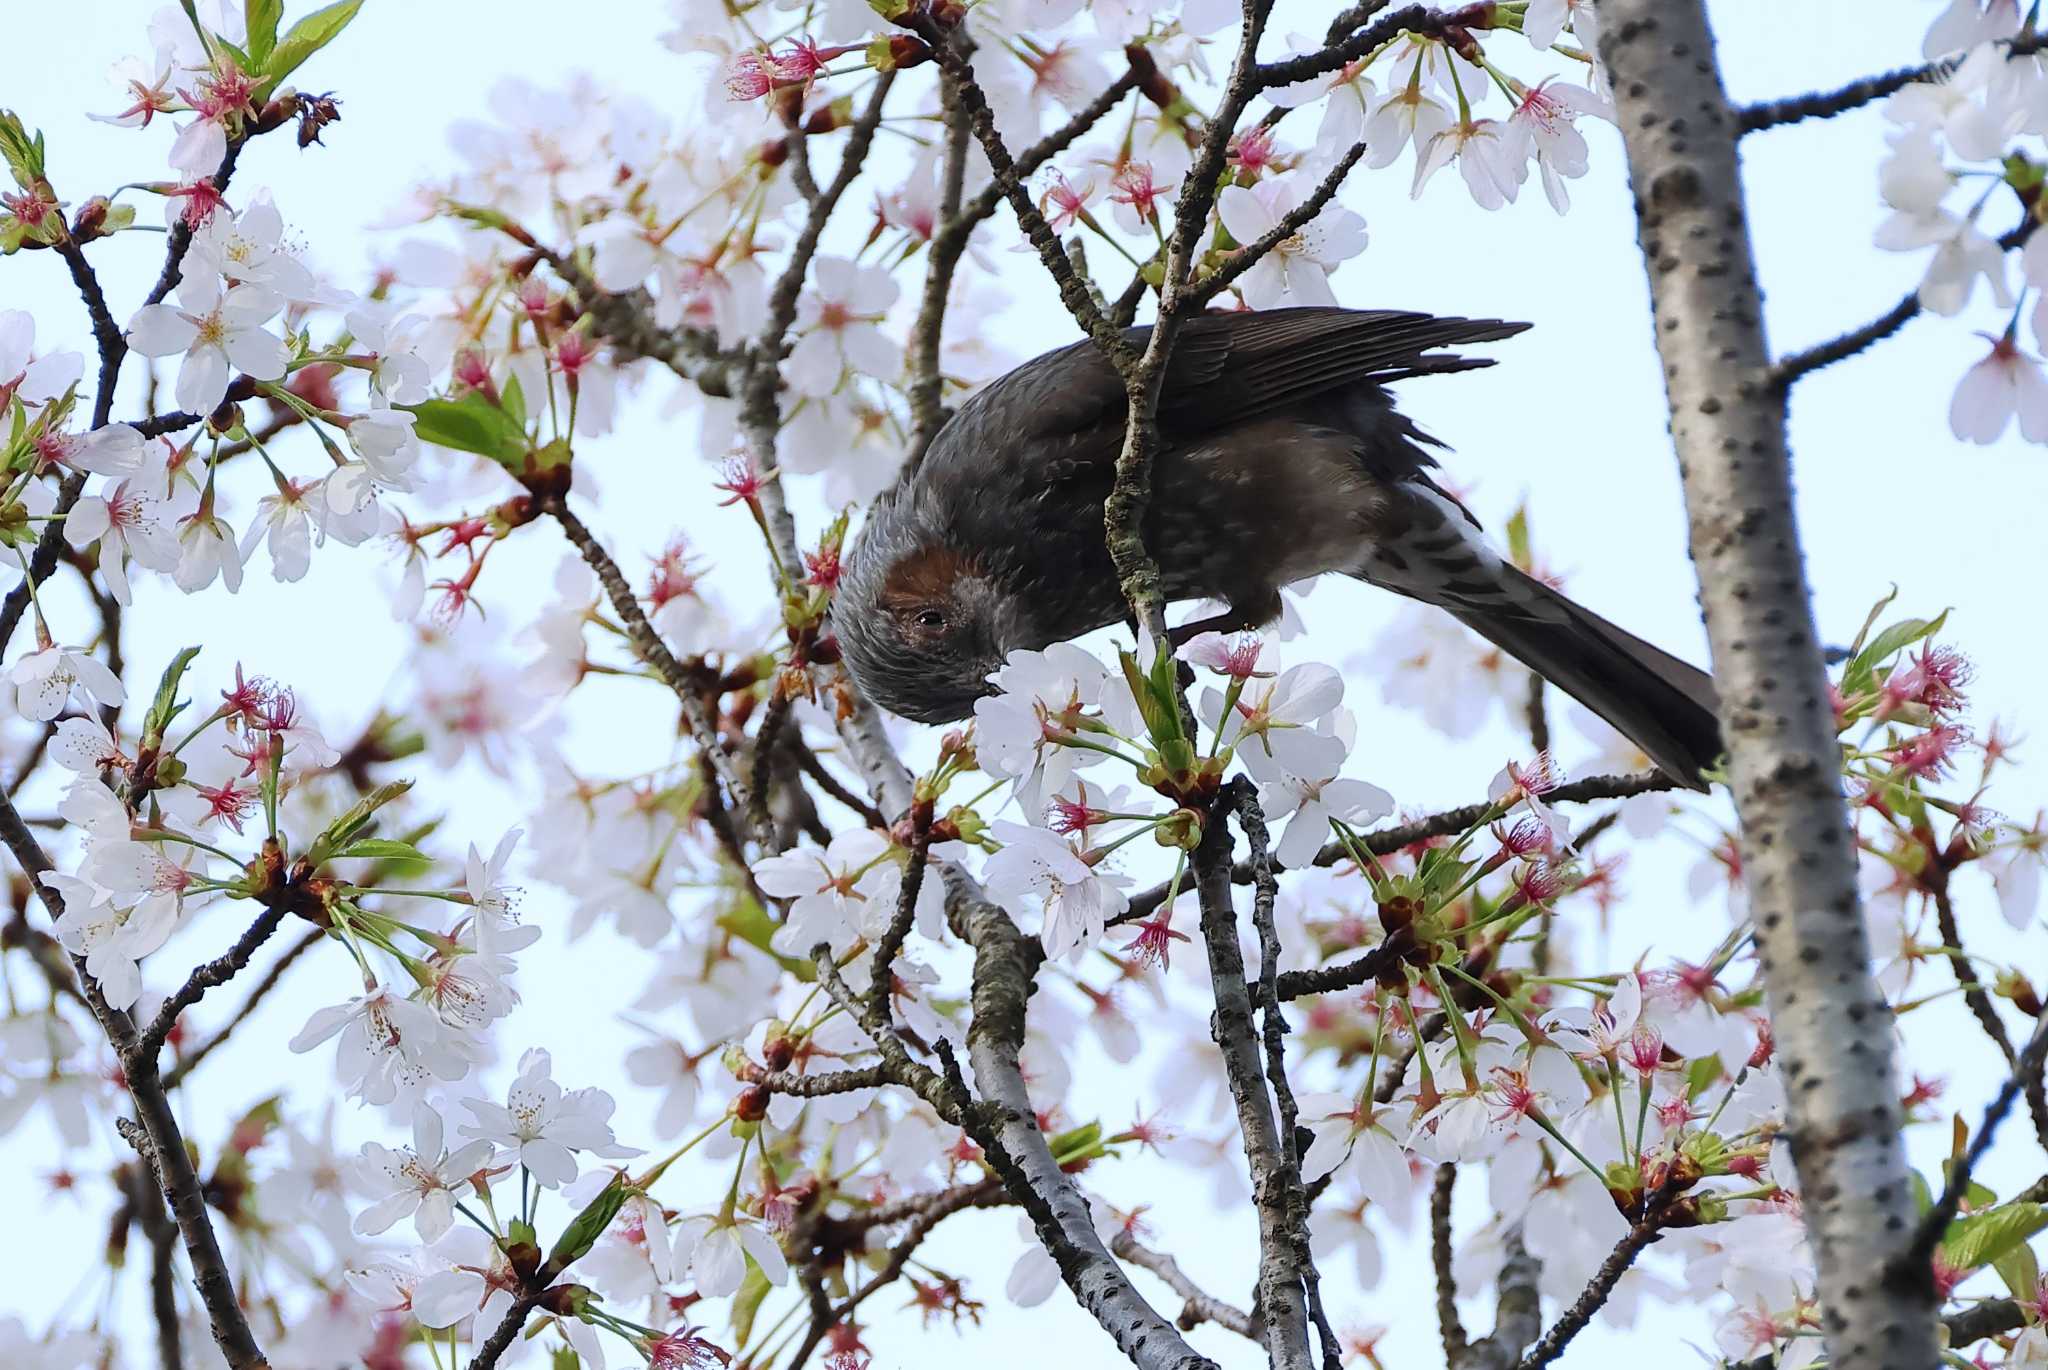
(1832, 1026)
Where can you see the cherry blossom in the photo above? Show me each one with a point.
(217, 330)
(1038, 873)
(840, 318)
(423, 1181)
(542, 1125)
(389, 1046)
(112, 939)
(45, 682)
(825, 906)
(247, 249)
(2005, 383)
(1546, 19)
(1297, 270)
(129, 523)
(719, 1249)
(1297, 774)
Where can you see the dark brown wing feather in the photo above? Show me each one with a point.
(1227, 368)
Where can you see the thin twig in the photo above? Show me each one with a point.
(647, 644)
(1826, 104)
(1449, 1326)
(1009, 180)
(1449, 823)
(1980, 1005)
(1645, 1230)
(1788, 370)
(905, 913)
(1290, 223)
(1198, 1306)
(189, 1061)
(504, 1334)
(1935, 1221)
(1418, 19)
(210, 975)
(1274, 1029)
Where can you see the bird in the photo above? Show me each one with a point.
(1281, 457)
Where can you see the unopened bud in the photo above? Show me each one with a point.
(752, 1104)
(87, 224)
(836, 115)
(1152, 83)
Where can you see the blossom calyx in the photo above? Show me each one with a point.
(898, 52)
(522, 1249)
(1182, 828)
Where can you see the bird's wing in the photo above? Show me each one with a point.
(1227, 368)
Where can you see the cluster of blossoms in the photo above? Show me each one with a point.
(1454, 1014)
(1974, 125)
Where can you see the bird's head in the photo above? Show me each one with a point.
(921, 626)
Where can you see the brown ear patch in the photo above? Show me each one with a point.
(926, 576)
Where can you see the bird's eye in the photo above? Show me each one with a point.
(930, 619)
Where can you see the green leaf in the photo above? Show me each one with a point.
(342, 831)
(512, 399)
(307, 37)
(261, 18)
(471, 424)
(2020, 1271)
(1076, 1142)
(164, 707)
(1518, 536)
(23, 154)
(384, 849)
(1983, 1238)
(747, 1302)
(1862, 671)
(584, 1230)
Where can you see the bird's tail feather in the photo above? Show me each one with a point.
(1664, 705)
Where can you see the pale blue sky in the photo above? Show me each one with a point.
(1573, 418)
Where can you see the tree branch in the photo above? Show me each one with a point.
(1002, 987)
(1826, 104)
(210, 975)
(1980, 1005)
(504, 1334)
(1797, 366)
(1450, 1327)
(190, 1060)
(1282, 1295)
(165, 1152)
(1834, 1029)
(1197, 1307)
(1573, 1320)
(1518, 1309)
